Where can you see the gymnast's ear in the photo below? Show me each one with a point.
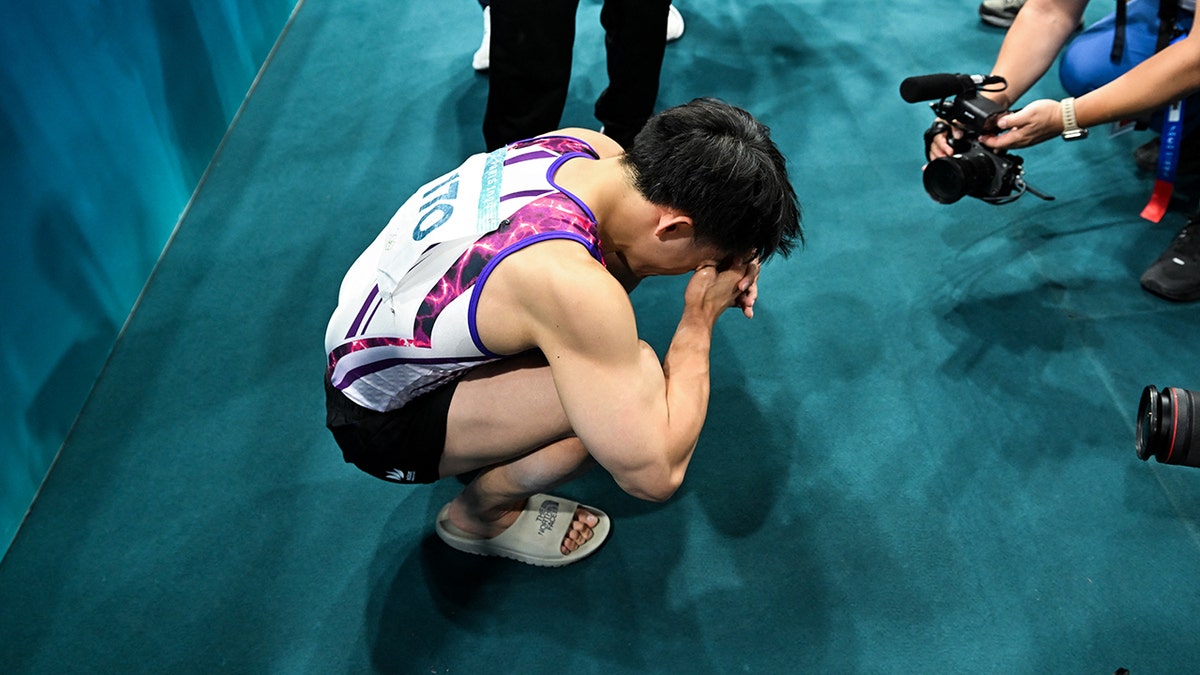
(673, 224)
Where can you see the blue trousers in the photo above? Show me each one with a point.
(1086, 63)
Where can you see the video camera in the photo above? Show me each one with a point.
(974, 169)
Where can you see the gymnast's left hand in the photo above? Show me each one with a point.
(749, 287)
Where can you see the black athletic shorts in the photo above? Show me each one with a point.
(400, 446)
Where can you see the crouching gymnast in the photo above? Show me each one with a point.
(489, 329)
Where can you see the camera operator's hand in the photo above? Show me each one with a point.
(939, 143)
(1036, 122)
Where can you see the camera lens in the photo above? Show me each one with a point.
(949, 179)
(1166, 426)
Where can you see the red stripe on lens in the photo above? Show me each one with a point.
(1174, 425)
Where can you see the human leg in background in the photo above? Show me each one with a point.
(530, 69)
(1086, 64)
(634, 47)
(481, 60)
(1002, 13)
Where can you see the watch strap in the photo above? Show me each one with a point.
(1071, 129)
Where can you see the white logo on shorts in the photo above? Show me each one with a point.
(400, 475)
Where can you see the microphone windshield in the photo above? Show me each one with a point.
(930, 87)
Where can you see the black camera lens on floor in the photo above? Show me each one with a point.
(1166, 426)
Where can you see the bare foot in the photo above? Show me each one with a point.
(492, 524)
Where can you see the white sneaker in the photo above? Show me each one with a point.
(1000, 13)
(483, 55)
(674, 24)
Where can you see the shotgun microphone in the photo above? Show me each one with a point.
(943, 85)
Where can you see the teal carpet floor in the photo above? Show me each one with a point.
(919, 457)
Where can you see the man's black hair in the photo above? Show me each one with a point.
(716, 163)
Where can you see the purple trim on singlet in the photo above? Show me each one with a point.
(374, 311)
(491, 265)
(357, 374)
(524, 193)
(554, 169)
(555, 147)
(362, 371)
(555, 144)
(537, 154)
(358, 345)
(363, 312)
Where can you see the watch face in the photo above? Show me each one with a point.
(1074, 134)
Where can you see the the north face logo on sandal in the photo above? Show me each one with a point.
(546, 516)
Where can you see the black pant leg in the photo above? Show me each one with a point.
(530, 68)
(635, 39)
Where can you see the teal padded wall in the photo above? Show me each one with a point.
(109, 113)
